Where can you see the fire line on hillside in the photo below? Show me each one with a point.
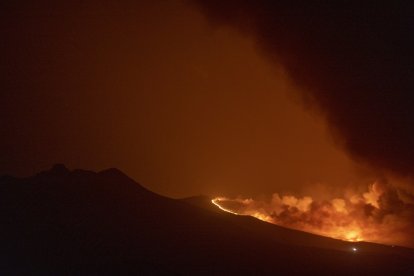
(379, 215)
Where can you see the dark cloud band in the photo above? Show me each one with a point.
(354, 61)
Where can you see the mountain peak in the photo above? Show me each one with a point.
(59, 166)
(59, 169)
(113, 172)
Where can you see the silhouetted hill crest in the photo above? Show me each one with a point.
(66, 222)
(57, 170)
(117, 175)
(201, 201)
(59, 174)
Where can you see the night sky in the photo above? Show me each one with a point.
(209, 97)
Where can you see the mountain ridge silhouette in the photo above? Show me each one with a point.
(82, 222)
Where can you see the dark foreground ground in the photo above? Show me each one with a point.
(82, 222)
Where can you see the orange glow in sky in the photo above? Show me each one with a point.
(168, 101)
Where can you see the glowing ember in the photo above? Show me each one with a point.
(216, 202)
(370, 216)
(352, 235)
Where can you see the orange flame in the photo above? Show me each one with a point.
(216, 202)
(378, 215)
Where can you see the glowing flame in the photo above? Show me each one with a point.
(350, 233)
(353, 235)
(216, 202)
(370, 216)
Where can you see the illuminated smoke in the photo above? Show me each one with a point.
(381, 214)
(351, 61)
(353, 66)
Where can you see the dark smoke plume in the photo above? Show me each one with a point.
(354, 61)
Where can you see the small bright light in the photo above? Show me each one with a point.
(354, 249)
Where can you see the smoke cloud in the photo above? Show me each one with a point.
(353, 61)
(381, 214)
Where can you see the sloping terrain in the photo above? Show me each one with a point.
(82, 222)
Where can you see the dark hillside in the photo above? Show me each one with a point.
(82, 222)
